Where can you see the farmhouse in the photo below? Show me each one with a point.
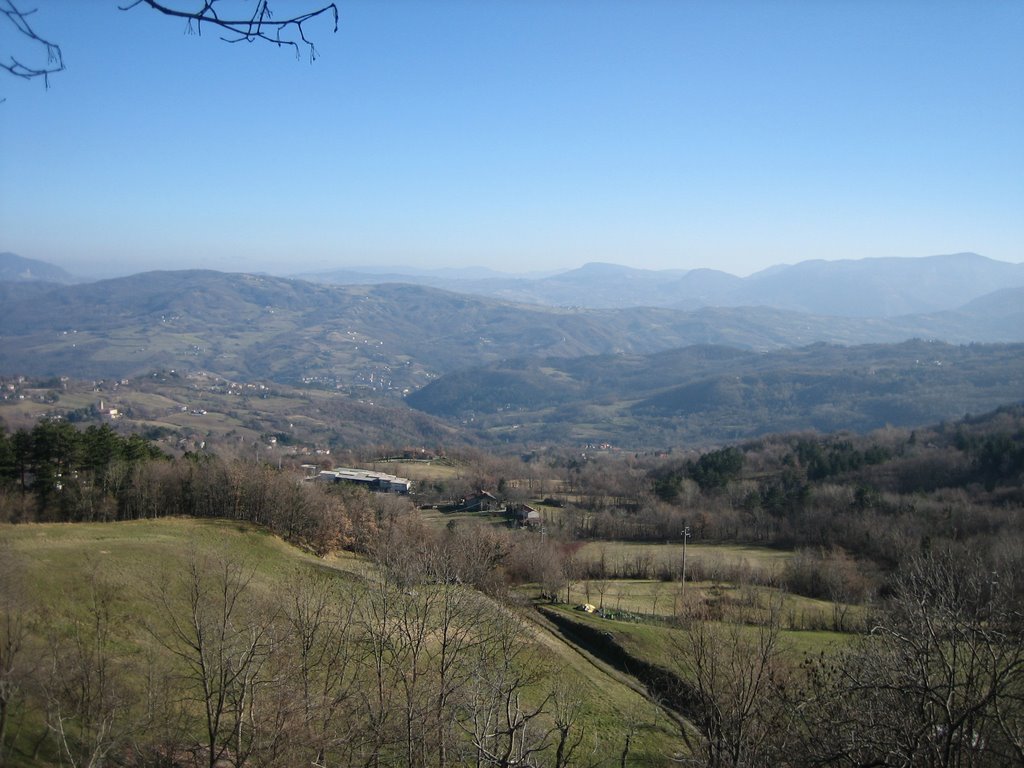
(524, 514)
(480, 501)
(374, 481)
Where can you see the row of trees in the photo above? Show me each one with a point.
(762, 492)
(776, 490)
(55, 456)
(56, 472)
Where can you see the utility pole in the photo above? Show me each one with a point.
(686, 535)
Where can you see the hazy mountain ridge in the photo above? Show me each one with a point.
(17, 269)
(878, 287)
(862, 288)
(393, 337)
(885, 287)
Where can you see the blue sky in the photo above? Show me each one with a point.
(522, 136)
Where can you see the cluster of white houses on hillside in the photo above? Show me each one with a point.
(375, 481)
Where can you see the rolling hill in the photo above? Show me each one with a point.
(121, 592)
(635, 376)
(392, 338)
(702, 394)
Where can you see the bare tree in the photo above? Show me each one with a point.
(474, 554)
(462, 624)
(385, 656)
(571, 567)
(88, 704)
(415, 608)
(733, 671)
(504, 725)
(320, 617)
(657, 589)
(260, 25)
(601, 585)
(567, 711)
(938, 681)
(631, 724)
(222, 641)
(15, 665)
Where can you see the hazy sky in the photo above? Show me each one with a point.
(521, 135)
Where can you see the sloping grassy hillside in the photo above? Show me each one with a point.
(94, 602)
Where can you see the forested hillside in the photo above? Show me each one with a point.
(713, 394)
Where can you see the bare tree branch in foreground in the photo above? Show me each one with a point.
(260, 26)
(54, 58)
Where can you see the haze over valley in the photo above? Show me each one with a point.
(636, 375)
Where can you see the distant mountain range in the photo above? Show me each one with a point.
(396, 338)
(864, 288)
(885, 287)
(16, 269)
(526, 373)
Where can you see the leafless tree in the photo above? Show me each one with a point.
(414, 616)
(165, 725)
(601, 585)
(384, 653)
(462, 621)
(505, 724)
(568, 709)
(88, 703)
(15, 664)
(474, 553)
(404, 548)
(631, 724)
(571, 566)
(422, 626)
(321, 618)
(657, 589)
(222, 641)
(260, 26)
(733, 671)
(937, 682)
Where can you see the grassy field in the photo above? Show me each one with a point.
(714, 561)
(59, 561)
(421, 470)
(714, 600)
(131, 553)
(441, 519)
(657, 643)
